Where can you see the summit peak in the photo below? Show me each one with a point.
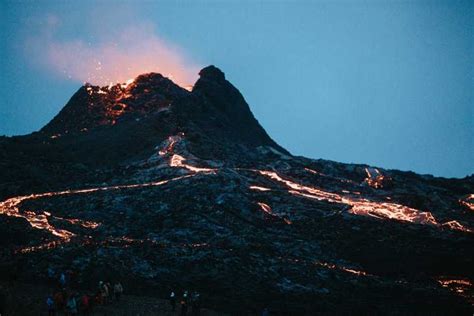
(212, 72)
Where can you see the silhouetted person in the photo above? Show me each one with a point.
(62, 280)
(3, 301)
(85, 304)
(184, 307)
(71, 305)
(50, 305)
(195, 304)
(118, 290)
(173, 301)
(59, 301)
(104, 292)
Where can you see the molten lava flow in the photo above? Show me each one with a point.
(40, 221)
(75, 221)
(10, 207)
(468, 202)
(342, 268)
(268, 210)
(360, 206)
(461, 287)
(374, 178)
(44, 246)
(314, 172)
(459, 284)
(389, 210)
(264, 207)
(169, 144)
(319, 194)
(257, 188)
(178, 161)
(110, 99)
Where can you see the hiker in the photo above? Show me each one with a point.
(98, 298)
(100, 290)
(195, 303)
(184, 307)
(104, 292)
(51, 276)
(109, 292)
(71, 278)
(185, 296)
(59, 301)
(3, 300)
(173, 301)
(71, 305)
(62, 280)
(118, 290)
(85, 304)
(50, 305)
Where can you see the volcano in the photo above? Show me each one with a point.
(167, 188)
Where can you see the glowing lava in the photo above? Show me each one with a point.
(342, 268)
(178, 161)
(360, 206)
(10, 207)
(257, 188)
(374, 178)
(268, 210)
(461, 287)
(468, 202)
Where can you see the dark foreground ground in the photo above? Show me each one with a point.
(29, 299)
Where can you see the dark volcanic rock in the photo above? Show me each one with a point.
(166, 188)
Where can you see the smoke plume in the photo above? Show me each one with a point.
(115, 57)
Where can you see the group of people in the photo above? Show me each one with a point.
(70, 302)
(193, 300)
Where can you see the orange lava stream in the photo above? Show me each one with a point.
(360, 206)
(264, 207)
(374, 178)
(171, 142)
(257, 188)
(268, 210)
(10, 207)
(461, 287)
(44, 246)
(80, 222)
(341, 268)
(447, 282)
(178, 161)
(468, 202)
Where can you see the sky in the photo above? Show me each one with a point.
(386, 83)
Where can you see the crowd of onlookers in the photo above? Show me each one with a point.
(187, 300)
(70, 302)
(66, 301)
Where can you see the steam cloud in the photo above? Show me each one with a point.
(115, 58)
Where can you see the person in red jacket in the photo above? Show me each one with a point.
(85, 304)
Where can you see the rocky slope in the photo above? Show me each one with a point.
(169, 188)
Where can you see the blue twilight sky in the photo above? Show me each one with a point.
(387, 83)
